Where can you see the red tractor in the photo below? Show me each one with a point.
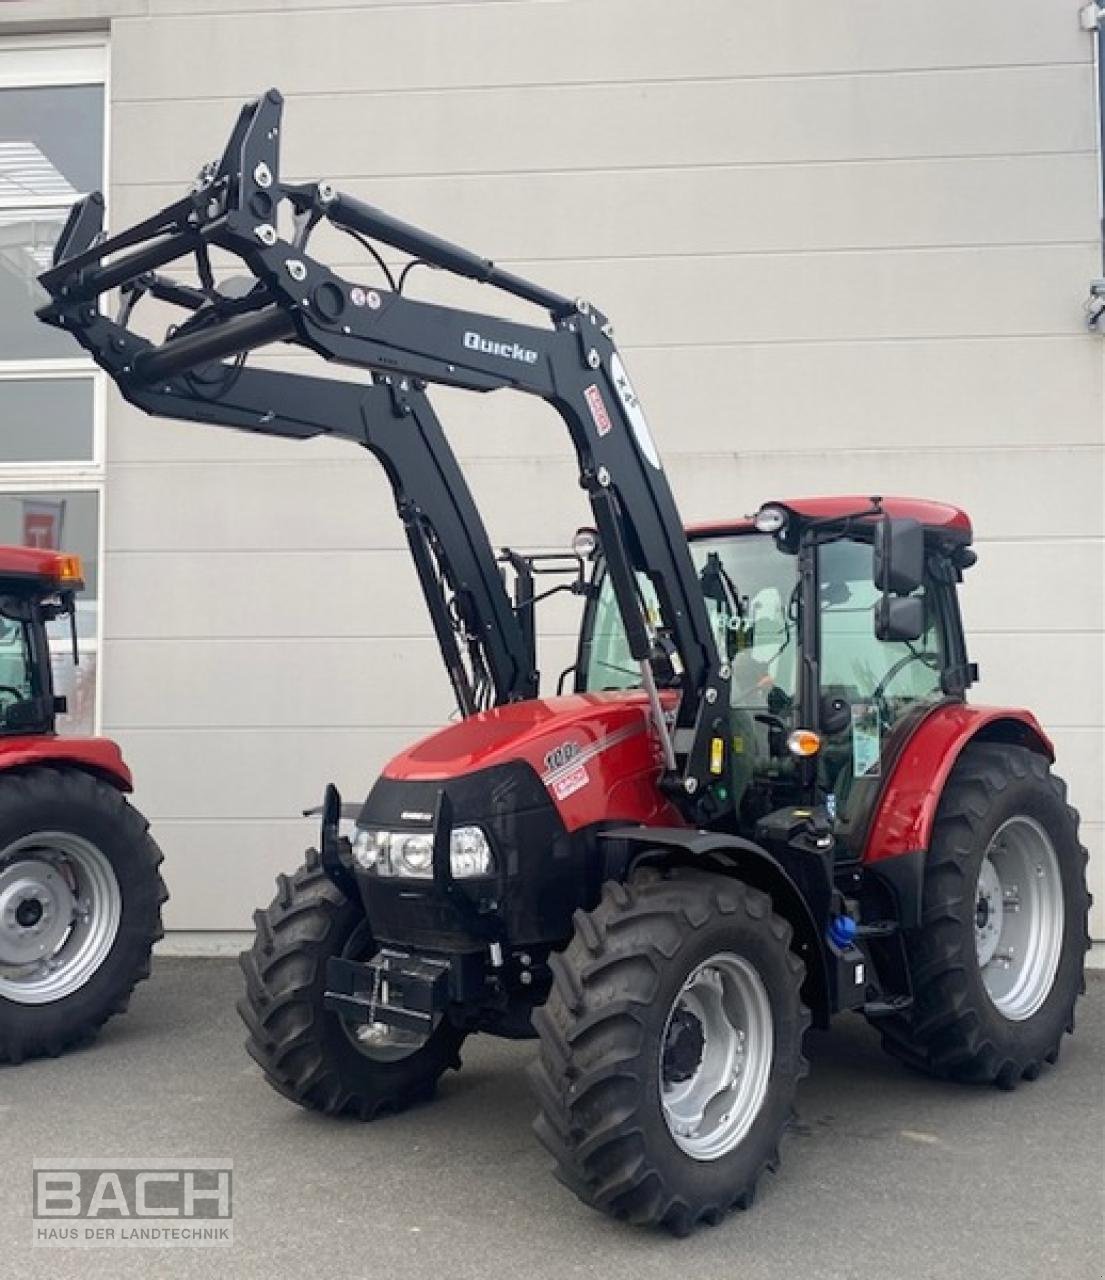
(765, 802)
(80, 892)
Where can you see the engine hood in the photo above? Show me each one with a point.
(594, 753)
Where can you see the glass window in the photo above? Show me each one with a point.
(47, 419)
(52, 131)
(15, 663)
(609, 664)
(854, 664)
(51, 152)
(750, 592)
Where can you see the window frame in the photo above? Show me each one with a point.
(43, 62)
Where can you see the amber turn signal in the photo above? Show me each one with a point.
(804, 743)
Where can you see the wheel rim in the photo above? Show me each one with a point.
(715, 1056)
(60, 907)
(376, 1040)
(1019, 918)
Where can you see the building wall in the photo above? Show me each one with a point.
(846, 249)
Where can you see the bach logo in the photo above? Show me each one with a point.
(131, 1203)
(508, 350)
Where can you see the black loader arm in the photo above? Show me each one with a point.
(199, 372)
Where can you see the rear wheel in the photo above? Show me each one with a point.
(671, 1048)
(307, 1053)
(997, 964)
(80, 908)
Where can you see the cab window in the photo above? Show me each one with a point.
(750, 591)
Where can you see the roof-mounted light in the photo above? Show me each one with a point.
(69, 569)
(770, 518)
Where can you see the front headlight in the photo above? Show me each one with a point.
(410, 854)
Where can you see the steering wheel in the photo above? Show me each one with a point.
(878, 695)
(17, 694)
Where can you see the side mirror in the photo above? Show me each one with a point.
(899, 618)
(899, 565)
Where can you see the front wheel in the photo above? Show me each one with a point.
(80, 908)
(308, 1053)
(671, 1048)
(997, 963)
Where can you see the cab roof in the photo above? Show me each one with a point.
(937, 517)
(37, 566)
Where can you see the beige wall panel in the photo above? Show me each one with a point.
(1057, 675)
(807, 119)
(287, 594)
(1080, 761)
(533, 218)
(223, 684)
(1000, 291)
(1048, 585)
(249, 774)
(279, 595)
(410, 46)
(243, 858)
(856, 395)
(328, 505)
(788, 297)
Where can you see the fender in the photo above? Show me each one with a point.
(730, 855)
(100, 756)
(906, 811)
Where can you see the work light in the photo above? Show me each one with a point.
(770, 518)
(410, 854)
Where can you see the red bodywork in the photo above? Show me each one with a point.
(593, 752)
(910, 795)
(50, 567)
(100, 756)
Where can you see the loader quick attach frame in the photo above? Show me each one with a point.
(199, 373)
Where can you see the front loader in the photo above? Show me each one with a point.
(766, 799)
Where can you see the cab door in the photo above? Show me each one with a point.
(872, 692)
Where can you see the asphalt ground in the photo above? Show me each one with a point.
(886, 1174)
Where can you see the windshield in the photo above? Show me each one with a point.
(17, 668)
(750, 588)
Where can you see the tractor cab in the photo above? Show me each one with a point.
(820, 705)
(37, 587)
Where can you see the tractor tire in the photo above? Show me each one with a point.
(80, 908)
(997, 963)
(670, 1048)
(305, 1051)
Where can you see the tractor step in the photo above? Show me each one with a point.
(877, 929)
(887, 1008)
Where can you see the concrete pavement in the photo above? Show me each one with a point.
(887, 1174)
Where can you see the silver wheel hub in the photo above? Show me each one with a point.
(715, 1056)
(60, 906)
(1019, 918)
